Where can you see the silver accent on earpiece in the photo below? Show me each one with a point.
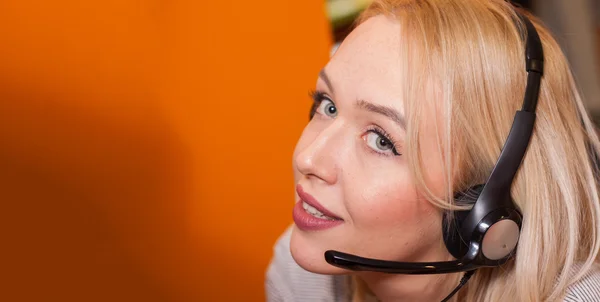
(500, 239)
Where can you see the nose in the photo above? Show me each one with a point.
(319, 155)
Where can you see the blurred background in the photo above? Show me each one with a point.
(145, 145)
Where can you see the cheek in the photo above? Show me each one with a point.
(386, 205)
(393, 220)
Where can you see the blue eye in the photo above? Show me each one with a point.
(322, 104)
(380, 143)
(327, 107)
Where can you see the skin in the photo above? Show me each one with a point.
(339, 161)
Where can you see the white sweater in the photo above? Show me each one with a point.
(286, 281)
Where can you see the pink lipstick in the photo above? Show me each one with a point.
(310, 215)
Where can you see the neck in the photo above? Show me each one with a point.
(400, 288)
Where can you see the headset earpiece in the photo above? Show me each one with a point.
(498, 231)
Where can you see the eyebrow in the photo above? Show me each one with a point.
(325, 79)
(389, 112)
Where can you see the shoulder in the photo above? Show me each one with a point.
(287, 281)
(586, 289)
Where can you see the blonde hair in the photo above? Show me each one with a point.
(473, 53)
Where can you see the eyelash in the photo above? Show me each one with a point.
(385, 135)
(318, 97)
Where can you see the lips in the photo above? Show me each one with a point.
(314, 203)
(309, 222)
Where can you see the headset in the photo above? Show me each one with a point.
(487, 235)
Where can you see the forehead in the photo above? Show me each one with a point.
(368, 63)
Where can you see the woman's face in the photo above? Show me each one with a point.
(349, 161)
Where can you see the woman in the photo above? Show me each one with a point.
(415, 107)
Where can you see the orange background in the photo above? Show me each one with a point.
(146, 145)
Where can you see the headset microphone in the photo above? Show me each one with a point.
(486, 235)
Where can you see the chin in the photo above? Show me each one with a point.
(308, 252)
